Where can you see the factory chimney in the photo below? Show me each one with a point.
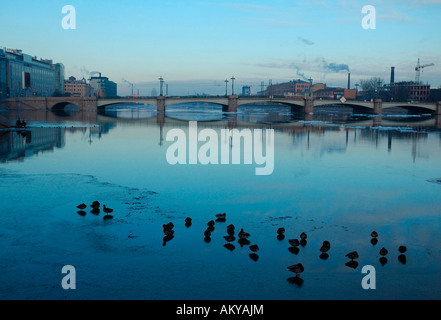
(349, 81)
(392, 75)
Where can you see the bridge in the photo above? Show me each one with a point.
(229, 104)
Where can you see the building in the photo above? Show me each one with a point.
(295, 88)
(103, 87)
(336, 93)
(22, 75)
(77, 88)
(246, 91)
(406, 91)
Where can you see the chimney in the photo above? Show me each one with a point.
(349, 81)
(392, 75)
(100, 74)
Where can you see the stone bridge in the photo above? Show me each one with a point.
(229, 104)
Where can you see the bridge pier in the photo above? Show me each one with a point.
(309, 105)
(232, 103)
(160, 103)
(438, 108)
(378, 106)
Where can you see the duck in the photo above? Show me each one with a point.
(303, 236)
(352, 255)
(383, 251)
(296, 268)
(210, 223)
(230, 230)
(169, 225)
(374, 234)
(82, 206)
(95, 204)
(294, 242)
(221, 217)
(325, 247)
(254, 248)
(281, 230)
(243, 235)
(107, 210)
(188, 222)
(402, 249)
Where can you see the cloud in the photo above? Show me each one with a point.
(334, 67)
(306, 41)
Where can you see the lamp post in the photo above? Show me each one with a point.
(161, 84)
(232, 85)
(226, 87)
(310, 86)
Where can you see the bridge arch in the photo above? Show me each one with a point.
(411, 107)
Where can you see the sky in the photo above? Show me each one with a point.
(196, 45)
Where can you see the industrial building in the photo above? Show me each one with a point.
(103, 87)
(77, 88)
(22, 75)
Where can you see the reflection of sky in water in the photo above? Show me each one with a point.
(334, 183)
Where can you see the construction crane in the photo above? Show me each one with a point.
(418, 70)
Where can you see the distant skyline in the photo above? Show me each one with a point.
(196, 45)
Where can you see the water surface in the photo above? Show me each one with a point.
(338, 175)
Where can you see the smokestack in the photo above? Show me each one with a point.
(99, 74)
(392, 75)
(349, 81)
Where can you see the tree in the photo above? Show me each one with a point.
(371, 86)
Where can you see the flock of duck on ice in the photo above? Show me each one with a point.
(243, 240)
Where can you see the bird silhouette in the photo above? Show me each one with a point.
(352, 255)
(325, 246)
(243, 235)
(107, 210)
(383, 251)
(82, 206)
(303, 236)
(230, 230)
(281, 231)
(95, 205)
(296, 268)
(402, 249)
(374, 234)
(254, 248)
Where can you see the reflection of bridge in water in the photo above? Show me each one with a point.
(14, 145)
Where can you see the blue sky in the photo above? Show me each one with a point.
(195, 45)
